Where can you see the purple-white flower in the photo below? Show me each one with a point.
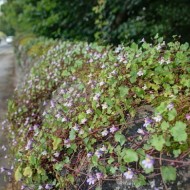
(101, 83)
(140, 73)
(141, 131)
(23, 187)
(83, 121)
(113, 129)
(129, 174)
(157, 118)
(89, 155)
(96, 97)
(4, 148)
(187, 116)
(81, 132)
(48, 186)
(144, 87)
(148, 162)
(88, 111)
(104, 133)
(103, 148)
(99, 176)
(56, 154)
(147, 121)
(91, 180)
(29, 145)
(40, 187)
(64, 119)
(99, 153)
(170, 106)
(44, 153)
(76, 127)
(104, 106)
(2, 169)
(67, 143)
(161, 61)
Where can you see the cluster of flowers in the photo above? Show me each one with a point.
(74, 104)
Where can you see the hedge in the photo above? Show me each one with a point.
(88, 114)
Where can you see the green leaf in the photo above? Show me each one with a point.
(98, 188)
(72, 135)
(58, 166)
(120, 138)
(130, 156)
(56, 142)
(164, 125)
(172, 114)
(65, 73)
(70, 178)
(32, 160)
(95, 160)
(27, 172)
(168, 173)
(161, 108)
(113, 169)
(176, 152)
(123, 91)
(140, 181)
(157, 142)
(18, 174)
(111, 160)
(178, 131)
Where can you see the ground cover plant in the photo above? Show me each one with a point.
(89, 114)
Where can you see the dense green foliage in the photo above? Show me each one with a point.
(5, 27)
(80, 118)
(106, 21)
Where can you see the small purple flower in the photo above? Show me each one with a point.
(44, 153)
(129, 174)
(91, 180)
(76, 127)
(40, 187)
(4, 148)
(170, 106)
(64, 119)
(103, 148)
(148, 162)
(141, 131)
(140, 73)
(29, 145)
(89, 154)
(81, 132)
(56, 154)
(101, 83)
(99, 176)
(67, 143)
(23, 187)
(113, 129)
(83, 121)
(99, 153)
(48, 186)
(88, 111)
(157, 118)
(147, 121)
(104, 133)
(2, 169)
(104, 106)
(52, 104)
(9, 173)
(187, 116)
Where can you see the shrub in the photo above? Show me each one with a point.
(90, 113)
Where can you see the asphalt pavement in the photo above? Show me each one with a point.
(7, 81)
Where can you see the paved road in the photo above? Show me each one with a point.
(7, 76)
